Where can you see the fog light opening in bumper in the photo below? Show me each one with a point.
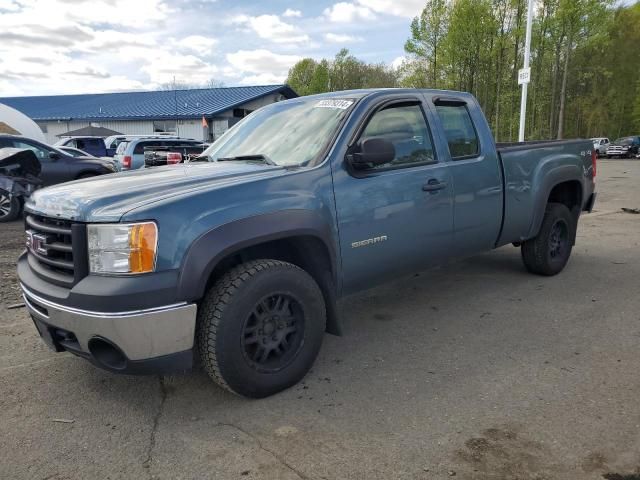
(107, 354)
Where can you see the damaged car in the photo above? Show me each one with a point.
(19, 170)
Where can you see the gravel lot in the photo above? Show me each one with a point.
(476, 370)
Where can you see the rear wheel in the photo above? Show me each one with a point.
(260, 327)
(549, 251)
(10, 207)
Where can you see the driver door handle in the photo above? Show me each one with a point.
(433, 185)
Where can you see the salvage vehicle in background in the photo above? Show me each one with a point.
(19, 170)
(625, 147)
(130, 153)
(600, 144)
(113, 141)
(241, 260)
(57, 166)
(172, 154)
(95, 146)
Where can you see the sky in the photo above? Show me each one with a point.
(91, 46)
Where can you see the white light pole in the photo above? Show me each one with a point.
(524, 75)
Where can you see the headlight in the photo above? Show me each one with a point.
(122, 248)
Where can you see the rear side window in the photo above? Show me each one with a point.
(140, 146)
(122, 146)
(459, 130)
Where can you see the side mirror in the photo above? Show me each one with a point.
(54, 156)
(373, 152)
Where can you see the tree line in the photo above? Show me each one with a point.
(585, 64)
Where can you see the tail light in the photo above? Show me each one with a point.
(126, 162)
(173, 158)
(594, 161)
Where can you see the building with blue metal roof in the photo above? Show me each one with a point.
(139, 113)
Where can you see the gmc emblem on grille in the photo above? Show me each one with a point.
(36, 242)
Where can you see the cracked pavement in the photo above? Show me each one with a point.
(476, 370)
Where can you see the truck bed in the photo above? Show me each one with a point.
(528, 167)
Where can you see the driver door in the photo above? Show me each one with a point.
(394, 218)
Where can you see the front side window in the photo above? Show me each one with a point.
(459, 130)
(405, 127)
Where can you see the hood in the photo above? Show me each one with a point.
(19, 162)
(108, 197)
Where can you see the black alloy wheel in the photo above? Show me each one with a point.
(273, 332)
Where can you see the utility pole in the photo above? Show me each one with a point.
(524, 75)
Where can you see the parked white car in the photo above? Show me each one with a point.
(600, 144)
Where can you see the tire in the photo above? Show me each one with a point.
(548, 253)
(10, 207)
(260, 306)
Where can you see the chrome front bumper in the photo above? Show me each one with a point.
(140, 334)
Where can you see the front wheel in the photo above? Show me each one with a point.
(549, 252)
(10, 207)
(260, 327)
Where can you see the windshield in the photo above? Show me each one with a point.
(624, 141)
(291, 133)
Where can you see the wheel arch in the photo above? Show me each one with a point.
(565, 187)
(297, 237)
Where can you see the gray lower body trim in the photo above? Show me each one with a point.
(140, 334)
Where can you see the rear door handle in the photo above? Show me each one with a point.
(434, 185)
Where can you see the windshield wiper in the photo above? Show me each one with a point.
(259, 157)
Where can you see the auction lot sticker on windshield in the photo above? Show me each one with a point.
(332, 103)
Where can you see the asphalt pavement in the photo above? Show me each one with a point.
(474, 370)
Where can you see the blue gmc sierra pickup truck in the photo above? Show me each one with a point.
(238, 260)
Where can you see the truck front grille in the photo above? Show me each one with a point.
(616, 150)
(56, 249)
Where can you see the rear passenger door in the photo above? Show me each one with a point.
(394, 218)
(475, 171)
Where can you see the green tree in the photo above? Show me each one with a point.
(302, 77)
(427, 33)
(345, 72)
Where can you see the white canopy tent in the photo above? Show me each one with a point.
(16, 123)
